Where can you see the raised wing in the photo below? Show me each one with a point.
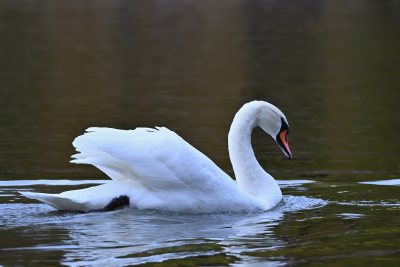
(155, 159)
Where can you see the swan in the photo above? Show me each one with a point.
(155, 169)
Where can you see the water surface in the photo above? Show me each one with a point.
(331, 66)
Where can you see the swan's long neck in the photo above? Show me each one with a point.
(250, 176)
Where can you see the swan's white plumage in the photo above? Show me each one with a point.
(157, 170)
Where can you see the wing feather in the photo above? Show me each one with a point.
(157, 159)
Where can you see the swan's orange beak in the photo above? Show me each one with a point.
(282, 141)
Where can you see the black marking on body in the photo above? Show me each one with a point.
(117, 202)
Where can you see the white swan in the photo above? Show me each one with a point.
(155, 169)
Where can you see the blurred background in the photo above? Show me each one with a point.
(331, 66)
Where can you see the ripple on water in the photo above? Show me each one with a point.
(293, 183)
(129, 237)
(395, 182)
(17, 214)
(370, 203)
(349, 216)
(49, 182)
(7, 183)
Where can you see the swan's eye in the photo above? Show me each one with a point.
(284, 126)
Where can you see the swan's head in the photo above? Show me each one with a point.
(274, 122)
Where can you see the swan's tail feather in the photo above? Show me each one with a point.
(58, 202)
(107, 196)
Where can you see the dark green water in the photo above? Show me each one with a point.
(331, 66)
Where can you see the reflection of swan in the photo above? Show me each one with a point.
(159, 237)
(156, 169)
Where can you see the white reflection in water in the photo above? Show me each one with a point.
(49, 182)
(349, 216)
(383, 182)
(293, 183)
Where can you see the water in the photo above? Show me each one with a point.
(132, 237)
(331, 66)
